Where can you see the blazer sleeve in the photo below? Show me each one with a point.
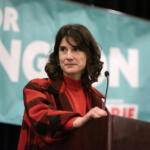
(41, 114)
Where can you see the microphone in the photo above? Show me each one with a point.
(107, 76)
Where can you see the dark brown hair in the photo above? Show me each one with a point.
(85, 42)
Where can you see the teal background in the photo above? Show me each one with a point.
(39, 21)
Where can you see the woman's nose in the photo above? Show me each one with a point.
(69, 54)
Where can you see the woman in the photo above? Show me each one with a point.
(66, 100)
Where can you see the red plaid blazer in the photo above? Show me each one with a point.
(47, 110)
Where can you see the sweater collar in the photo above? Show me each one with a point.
(72, 83)
(57, 86)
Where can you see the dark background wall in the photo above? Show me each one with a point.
(138, 8)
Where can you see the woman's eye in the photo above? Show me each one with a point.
(75, 48)
(62, 48)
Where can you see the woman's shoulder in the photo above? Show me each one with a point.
(42, 83)
(40, 80)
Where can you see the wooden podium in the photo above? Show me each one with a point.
(108, 133)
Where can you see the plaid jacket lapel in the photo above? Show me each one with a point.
(96, 99)
(61, 99)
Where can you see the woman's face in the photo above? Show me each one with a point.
(72, 60)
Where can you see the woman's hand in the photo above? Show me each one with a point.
(95, 112)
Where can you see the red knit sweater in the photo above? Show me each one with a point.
(77, 96)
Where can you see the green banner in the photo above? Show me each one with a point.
(27, 33)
